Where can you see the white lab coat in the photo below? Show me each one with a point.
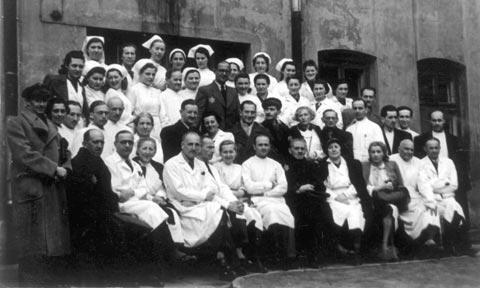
(109, 131)
(158, 157)
(188, 94)
(364, 132)
(172, 101)
(127, 116)
(77, 141)
(124, 178)
(159, 82)
(93, 95)
(67, 133)
(440, 187)
(187, 189)
(280, 89)
(326, 104)
(417, 218)
(266, 176)
(207, 76)
(338, 184)
(289, 107)
(260, 113)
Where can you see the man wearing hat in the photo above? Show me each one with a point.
(40, 166)
(278, 130)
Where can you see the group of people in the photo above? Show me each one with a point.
(255, 170)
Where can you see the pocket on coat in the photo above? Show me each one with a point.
(27, 189)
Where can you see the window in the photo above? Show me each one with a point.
(357, 68)
(440, 86)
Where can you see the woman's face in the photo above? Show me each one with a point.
(157, 50)
(202, 60)
(114, 79)
(146, 151)
(304, 117)
(242, 85)
(342, 90)
(310, 73)
(95, 50)
(59, 111)
(233, 71)
(95, 81)
(177, 61)
(334, 151)
(289, 71)
(293, 86)
(260, 65)
(376, 154)
(144, 127)
(228, 153)
(319, 92)
(38, 105)
(147, 76)
(192, 80)
(211, 125)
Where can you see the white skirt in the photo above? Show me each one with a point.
(251, 214)
(352, 213)
(447, 208)
(274, 211)
(417, 218)
(146, 210)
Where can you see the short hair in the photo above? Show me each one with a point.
(227, 142)
(95, 104)
(369, 88)
(387, 108)
(324, 83)
(242, 75)
(330, 110)
(189, 133)
(187, 102)
(437, 110)
(382, 146)
(36, 92)
(143, 115)
(205, 136)
(87, 136)
(292, 140)
(146, 139)
(211, 113)
(309, 63)
(75, 103)
(77, 54)
(269, 102)
(203, 51)
(129, 45)
(122, 132)
(247, 102)
(264, 58)
(293, 77)
(223, 62)
(96, 69)
(147, 66)
(340, 82)
(359, 100)
(405, 108)
(260, 135)
(261, 76)
(301, 108)
(52, 102)
(432, 139)
(169, 73)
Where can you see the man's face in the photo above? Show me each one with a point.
(404, 119)
(191, 146)
(208, 148)
(261, 86)
(330, 119)
(262, 146)
(124, 144)
(318, 91)
(437, 120)
(432, 148)
(129, 56)
(116, 110)
(175, 81)
(58, 113)
(248, 114)
(242, 85)
(271, 113)
(359, 108)
(72, 118)
(223, 70)
(298, 149)
(342, 90)
(75, 68)
(99, 115)
(95, 143)
(390, 120)
(293, 86)
(190, 115)
(406, 150)
(369, 97)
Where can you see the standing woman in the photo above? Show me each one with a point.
(93, 49)
(236, 67)
(93, 82)
(286, 67)
(143, 126)
(156, 47)
(212, 129)
(310, 71)
(114, 87)
(261, 63)
(291, 101)
(191, 81)
(310, 132)
(177, 59)
(145, 97)
(202, 55)
(39, 167)
(385, 185)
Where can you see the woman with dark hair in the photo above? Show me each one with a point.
(310, 71)
(324, 100)
(146, 98)
(203, 54)
(56, 111)
(261, 62)
(143, 126)
(308, 131)
(93, 82)
(156, 46)
(348, 199)
(291, 101)
(385, 185)
(114, 87)
(191, 81)
(287, 68)
(341, 90)
(212, 129)
(177, 59)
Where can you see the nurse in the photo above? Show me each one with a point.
(93, 82)
(202, 55)
(113, 87)
(191, 81)
(286, 67)
(93, 51)
(236, 67)
(177, 59)
(156, 47)
(261, 63)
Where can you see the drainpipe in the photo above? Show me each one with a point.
(297, 35)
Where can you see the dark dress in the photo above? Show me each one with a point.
(279, 132)
(245, 142)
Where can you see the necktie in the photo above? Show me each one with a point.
(317, 105)
(144, 170)
(208, 167)
(223, 90)
(131, 73)
(129, 164)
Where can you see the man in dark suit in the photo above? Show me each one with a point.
(331, 131)
(66, 84)
(219, 98)
(452, 149)
(391, 134)
(171, 136)
(278, 130)
(245, 130)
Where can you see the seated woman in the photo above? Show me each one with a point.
(212, 129)
(348, 199)
(385, 185)
(143, 126)
(191, 81)
(310, 132)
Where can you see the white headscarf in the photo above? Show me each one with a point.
(148, 44)
(138, 66)
(175, 51)
(84, 48)
(237, 62)
(193, 50)
(280, 63)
